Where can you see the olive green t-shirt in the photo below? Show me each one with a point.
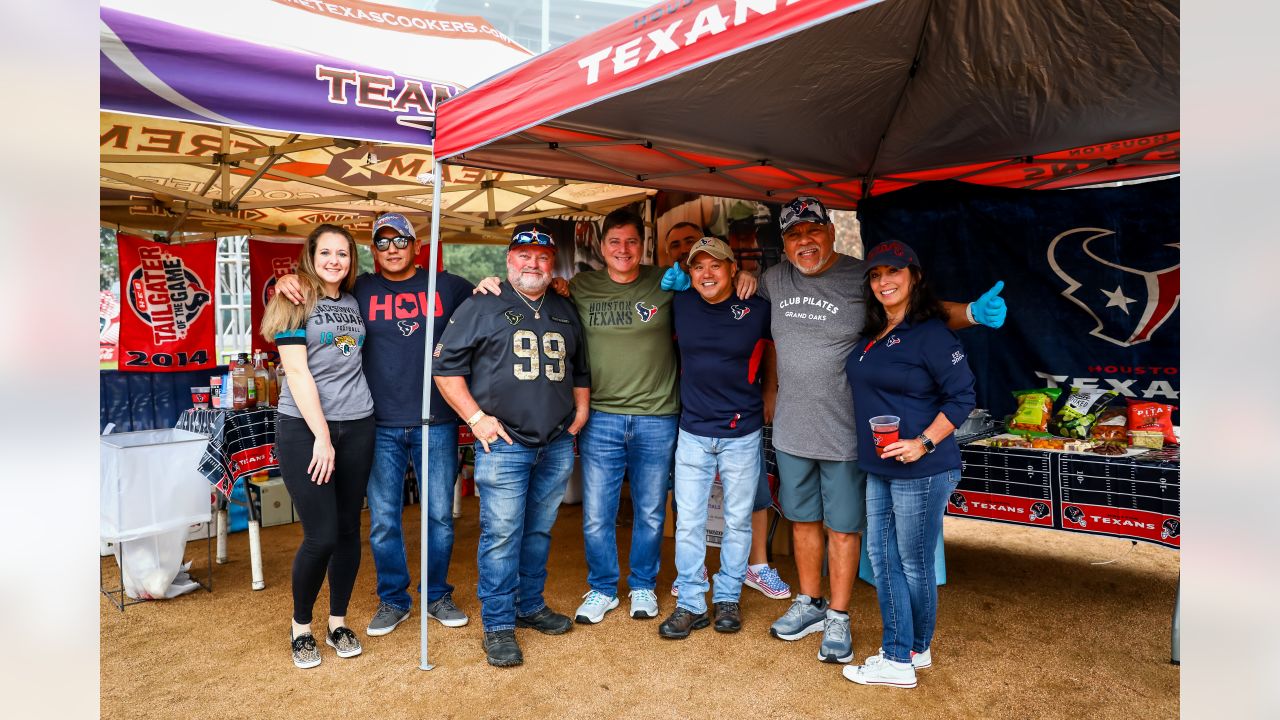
(629, 343)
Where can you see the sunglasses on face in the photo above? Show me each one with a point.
(401, 241)
(533, 237)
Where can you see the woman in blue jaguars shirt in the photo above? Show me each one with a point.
(908, 364)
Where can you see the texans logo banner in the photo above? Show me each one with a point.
(167, 293)
(268, 261)
(1091, 281)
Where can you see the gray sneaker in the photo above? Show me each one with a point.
(837, 640)
(804, 617)
(385, 620)
(446, 613)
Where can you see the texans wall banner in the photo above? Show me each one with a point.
(269, 260)
(167, 322)
(1090, 278)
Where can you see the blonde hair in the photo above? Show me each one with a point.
(281, 314)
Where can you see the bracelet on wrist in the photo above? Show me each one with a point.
(471, 422)
(968, 313)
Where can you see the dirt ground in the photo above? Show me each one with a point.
(1029, 627)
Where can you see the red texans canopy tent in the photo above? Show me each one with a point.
(766, 99)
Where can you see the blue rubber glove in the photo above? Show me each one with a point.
(989, 309)
(677, 279)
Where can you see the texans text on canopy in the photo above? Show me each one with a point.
(840, 99)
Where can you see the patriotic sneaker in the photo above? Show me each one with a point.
(768, 582)
(593, 608)
(675, 591)
(879, 670)
(644, 604)
(837, 640)
(305, 654)
(805, 617)
(344, 642)
(919, 661)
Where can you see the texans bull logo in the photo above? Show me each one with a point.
(1039, 510)
(407, 328)
(1129, 289)
(739, 311)
(512, 317)
(646, 312)
(959, 502)
(1170, 529)
(1075, 515)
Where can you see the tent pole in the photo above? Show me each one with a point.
(428, 340)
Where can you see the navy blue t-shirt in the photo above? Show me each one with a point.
(395, 319)
(915, 372)
(721, 350)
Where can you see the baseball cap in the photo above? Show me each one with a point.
(893, 253)
(803, 209)
(531, 234)
(715, 247)
(396, 222)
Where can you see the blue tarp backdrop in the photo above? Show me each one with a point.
(1091, 279)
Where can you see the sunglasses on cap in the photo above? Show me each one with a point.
(401, 241)
(532, 237)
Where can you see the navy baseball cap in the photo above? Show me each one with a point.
(531, 234)
(893, 253)
(396, 222)
(803, 209)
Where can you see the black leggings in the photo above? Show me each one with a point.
(330, 513)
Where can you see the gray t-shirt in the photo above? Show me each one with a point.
(333, 335)
(816, 323)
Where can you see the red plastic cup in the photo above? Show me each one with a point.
(884, 431)
(200, 396)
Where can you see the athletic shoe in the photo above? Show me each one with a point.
(804, 617)
(675, 591)
(768, 582)
(305, 654)
(682, 622)
(446, 613)
(837, 640)
(728, 617)
(546, 621)
(592, 610)
(881, 671)
(344, 641)
(644, 604)
(919, 661)
(385, 620)
(501, 648)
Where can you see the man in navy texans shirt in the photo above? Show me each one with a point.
(393, 303)
(725, 352)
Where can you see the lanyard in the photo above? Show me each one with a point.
(865, 349)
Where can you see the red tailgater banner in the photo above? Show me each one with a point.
(269, 260)
(167, 322)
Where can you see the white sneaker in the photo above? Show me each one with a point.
(644, 604)
(881, 671)
(919, 661)
(593, 608)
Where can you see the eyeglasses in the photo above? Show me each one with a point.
(533, 237)
(401, 241)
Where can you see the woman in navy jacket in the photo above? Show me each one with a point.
(910, 365)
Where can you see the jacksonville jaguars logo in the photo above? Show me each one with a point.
(513, 317)
(345, 343)
(407, 328)
(646, 312)
(739, 311)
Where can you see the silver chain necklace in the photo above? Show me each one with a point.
(536, 314)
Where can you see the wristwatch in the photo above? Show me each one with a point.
(928, 444)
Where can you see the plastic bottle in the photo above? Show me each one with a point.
(240, 383)
(260, 380)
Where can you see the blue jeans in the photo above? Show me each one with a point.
(394, 448)
(904, 521)
(520, 492)
(641, 447)
(698, 459)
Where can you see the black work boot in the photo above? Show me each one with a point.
(501, 649)
(682, 622)
(728, 620)
(546, 621)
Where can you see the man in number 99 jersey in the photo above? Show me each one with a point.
(527, 396)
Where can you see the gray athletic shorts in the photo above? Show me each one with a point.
(832, 491)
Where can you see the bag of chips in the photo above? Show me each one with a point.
(1112, 427)
(1150, 417)
(1080, 410)
(1035, 407)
